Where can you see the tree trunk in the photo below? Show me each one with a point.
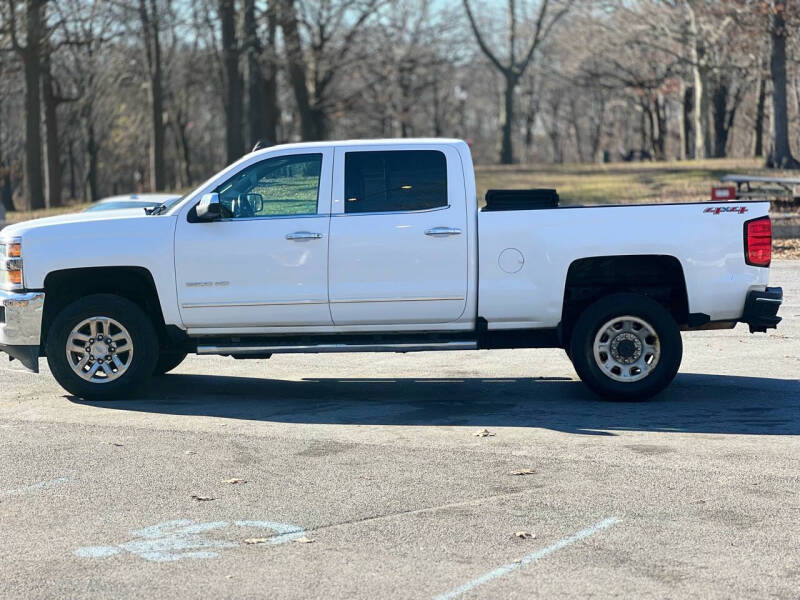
(73, 189)
(576, 129)
(297, 69)
(256, 126)
(157, 170)
(719, 103)
(758, 127)
(91, 193)
(6, 196)
(702, 133)
(781, 152)
(697, 51)
(52, 150)
(31, 57)
(659, 128)
(687, 127)
(272, 111)
(234, 142)
(507, 119)
(150, 20)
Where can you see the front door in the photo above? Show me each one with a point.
(265, 262)
(398, 246)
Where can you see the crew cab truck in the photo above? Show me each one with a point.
(377, 246)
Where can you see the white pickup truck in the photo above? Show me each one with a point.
(377, 246)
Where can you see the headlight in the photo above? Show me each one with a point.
(11, 264)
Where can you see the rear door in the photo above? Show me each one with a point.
(398, 237)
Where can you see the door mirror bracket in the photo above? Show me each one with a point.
(209, 208)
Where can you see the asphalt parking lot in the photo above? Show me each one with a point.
(361, 476)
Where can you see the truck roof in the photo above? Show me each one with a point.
(380, 142)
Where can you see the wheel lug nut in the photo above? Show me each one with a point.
(91, 340)
(108, 359)
(100, 362)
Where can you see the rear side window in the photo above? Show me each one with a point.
(401, 180)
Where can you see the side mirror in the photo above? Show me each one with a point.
(209, 208)
(256, 202)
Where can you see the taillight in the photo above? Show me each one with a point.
(758, 242)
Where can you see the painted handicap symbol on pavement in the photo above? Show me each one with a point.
(183, 538)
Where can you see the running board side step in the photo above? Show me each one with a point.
(243, 349)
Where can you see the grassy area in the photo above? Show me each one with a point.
(685, 181)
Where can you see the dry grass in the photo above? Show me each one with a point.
(786, 249)
(685, 181)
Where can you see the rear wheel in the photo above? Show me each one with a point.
(102, 347)
(626, 347)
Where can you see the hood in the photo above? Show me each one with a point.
(19, 229)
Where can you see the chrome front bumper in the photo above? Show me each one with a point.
(21, 326)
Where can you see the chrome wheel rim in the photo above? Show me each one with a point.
(627, 349)
(99, 350)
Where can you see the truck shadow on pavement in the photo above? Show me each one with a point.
(694, 403)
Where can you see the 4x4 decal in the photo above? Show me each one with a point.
(715, 210)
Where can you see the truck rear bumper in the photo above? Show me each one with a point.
(761, 309)
(21, 326)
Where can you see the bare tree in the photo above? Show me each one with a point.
(234, 142)
(30, 52)
(331, 28)
(515, 66)
(150, 17)
(781, 155)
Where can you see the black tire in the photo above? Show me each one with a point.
(618, 305)
(143, 338)
(168, 360)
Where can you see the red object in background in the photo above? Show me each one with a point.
(723, 193)
(758, 242)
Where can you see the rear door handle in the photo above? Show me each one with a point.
(440, 231)
(303, 235)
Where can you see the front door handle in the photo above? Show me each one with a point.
(303, 235)
(440, 231)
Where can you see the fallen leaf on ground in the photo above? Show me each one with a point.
(256, 541)
(484, 433)
(524, 535)
(190, 452)
(304, 540)
(235, 480)
(202, 498)
(523, 472)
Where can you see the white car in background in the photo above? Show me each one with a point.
(126, 201)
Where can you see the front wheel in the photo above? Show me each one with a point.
(168, 360)
(102, 347)
(626, 347)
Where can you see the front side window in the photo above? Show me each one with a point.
(280, 186)
(398, 180)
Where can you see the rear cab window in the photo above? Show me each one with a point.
(395, 181)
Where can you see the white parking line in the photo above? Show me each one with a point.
(510, 567)
(34, 487)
